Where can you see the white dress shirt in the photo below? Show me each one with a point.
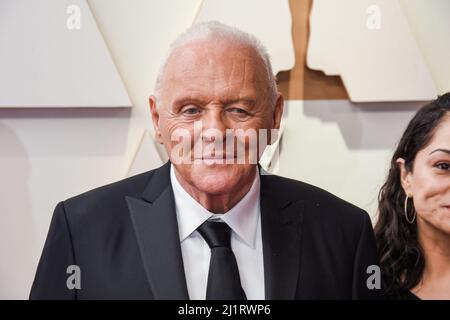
(246, 241)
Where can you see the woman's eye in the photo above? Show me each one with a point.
(443, 166)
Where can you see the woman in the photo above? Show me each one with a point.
(413, 228)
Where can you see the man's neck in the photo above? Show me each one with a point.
(218, 203)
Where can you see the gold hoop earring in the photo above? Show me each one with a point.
(406, 211)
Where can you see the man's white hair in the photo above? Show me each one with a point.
(219, 31)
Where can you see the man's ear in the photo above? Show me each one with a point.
(155, 118)
(278, 111)
(405, 177)
(276, 118)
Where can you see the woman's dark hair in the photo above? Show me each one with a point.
(401, 256)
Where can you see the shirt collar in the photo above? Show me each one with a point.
(243, 218)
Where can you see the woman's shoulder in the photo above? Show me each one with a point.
(404, 294)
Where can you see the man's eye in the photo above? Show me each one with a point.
(238, 110)
(191, 111)
(443, 166)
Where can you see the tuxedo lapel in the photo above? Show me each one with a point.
(155, 224)
(281, 223)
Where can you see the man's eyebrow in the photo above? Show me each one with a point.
(186, 100)
(440, 150)
(248, 101)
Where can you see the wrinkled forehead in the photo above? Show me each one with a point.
(203, 61)
(210, 48)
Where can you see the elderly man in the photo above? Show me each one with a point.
(209, 224)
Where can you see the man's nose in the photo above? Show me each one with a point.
(214, 120)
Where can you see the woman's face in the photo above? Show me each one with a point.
(429, 181)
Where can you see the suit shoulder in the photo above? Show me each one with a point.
(315, 197)
(110, 193)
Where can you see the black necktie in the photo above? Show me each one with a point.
(223, 277)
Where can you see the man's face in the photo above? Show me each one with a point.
(217, 87)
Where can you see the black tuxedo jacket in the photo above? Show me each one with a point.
(124, 238)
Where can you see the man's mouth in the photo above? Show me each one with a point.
(218, 157)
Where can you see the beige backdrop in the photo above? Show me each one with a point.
(47, 155)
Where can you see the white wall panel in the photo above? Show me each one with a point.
(430, 25)
(382, 64)
(43, 63)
